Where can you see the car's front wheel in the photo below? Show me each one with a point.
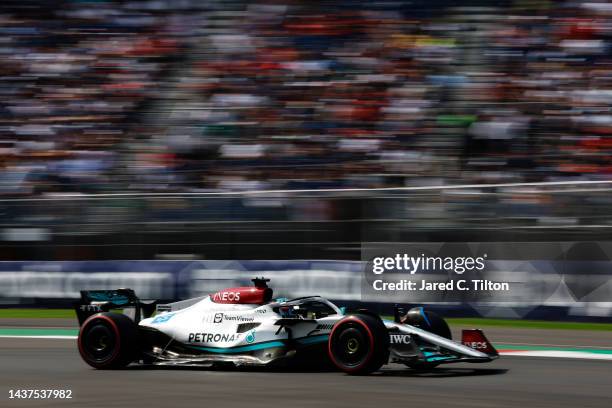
(108, 341)
(431, 322)
(359, 344)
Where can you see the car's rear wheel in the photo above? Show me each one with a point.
(359, 344)
(108, 341)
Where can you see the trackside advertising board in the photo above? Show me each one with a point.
(502, 280)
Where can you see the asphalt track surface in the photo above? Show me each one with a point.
(508, 382)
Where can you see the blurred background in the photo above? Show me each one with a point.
(179, 130)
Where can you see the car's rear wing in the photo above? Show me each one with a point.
(97, 301)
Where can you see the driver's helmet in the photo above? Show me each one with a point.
(292, 310)
(289, 311)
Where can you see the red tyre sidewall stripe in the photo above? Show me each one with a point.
(352, 319)
(117, 335)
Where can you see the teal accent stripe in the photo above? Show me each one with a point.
(440, 358)
(240, 349)
(430, 356)
(319, 338)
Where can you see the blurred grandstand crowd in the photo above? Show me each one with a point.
(190, 95)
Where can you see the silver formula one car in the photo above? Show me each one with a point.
(246, 326)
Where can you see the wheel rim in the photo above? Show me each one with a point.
(99, 342)
(351, 346)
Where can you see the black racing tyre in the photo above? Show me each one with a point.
(108, 341)
(359, 344)
(427, 320)
(431, 322)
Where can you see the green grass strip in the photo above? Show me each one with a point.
(476, 322)
(530, 324)
(37, 313)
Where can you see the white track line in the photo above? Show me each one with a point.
(508, 343)
(558, 354)
(12, 336)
